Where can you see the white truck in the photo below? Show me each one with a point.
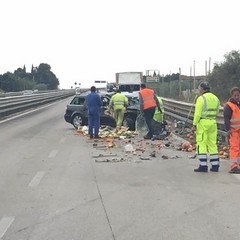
(129, 81)
(100, 84)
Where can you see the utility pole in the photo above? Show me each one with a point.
(180, 88)
(190, 78)
(163, 85)
(209, 67)
(206, 68)
(170, 80)
(159, 81)
(194, 79)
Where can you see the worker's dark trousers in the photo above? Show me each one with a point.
(148, 115)
(93, 123)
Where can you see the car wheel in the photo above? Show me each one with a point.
(77, 121)
(129, 123)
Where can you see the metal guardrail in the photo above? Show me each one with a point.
(16, 104)
(184, 112)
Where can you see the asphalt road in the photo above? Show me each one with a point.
(54, 187)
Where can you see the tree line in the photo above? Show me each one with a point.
(41, 78)
(225, 75)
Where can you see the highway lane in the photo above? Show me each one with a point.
(52, 188)
(47, 187)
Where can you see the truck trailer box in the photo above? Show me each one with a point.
(129, 78)
(129, 81)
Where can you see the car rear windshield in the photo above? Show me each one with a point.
(78, 101)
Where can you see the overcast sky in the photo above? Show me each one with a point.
(88, 40)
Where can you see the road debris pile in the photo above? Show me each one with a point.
(122, 145)
(223, 152)
(129, 146)
(110, 132)
(189, 145)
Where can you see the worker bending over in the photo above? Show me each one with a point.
(148, 103)
(118, 103)
(158, 122)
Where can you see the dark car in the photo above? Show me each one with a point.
(77, 112)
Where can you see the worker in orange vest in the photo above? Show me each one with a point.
(232, 125)
(148, 103)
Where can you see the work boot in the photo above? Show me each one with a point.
(147, 137)
(235, 170)
(154, 138)
(213, 170)
(91, 136)
(201, 169)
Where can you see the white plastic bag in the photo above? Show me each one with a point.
(141, 125)
(129, 148)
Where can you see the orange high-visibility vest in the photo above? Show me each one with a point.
(235, 119)
(148, 98)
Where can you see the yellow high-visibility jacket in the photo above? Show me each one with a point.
(206, 107)
(158, 115)
(118, 101)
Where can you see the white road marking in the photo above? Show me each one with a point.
(37, 178)
(5, 224)
(53, 153)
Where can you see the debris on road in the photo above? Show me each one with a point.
(174, 157)
(153, 154)
(164, 157)
(129, 146)
(193, 156)
(144, 158)
(110, 160)
(104, 155)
